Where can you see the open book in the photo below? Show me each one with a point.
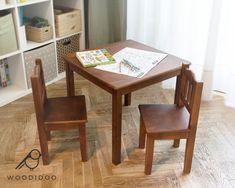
(92, 58)
(133, 62)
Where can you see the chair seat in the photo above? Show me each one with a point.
(164, 118)
(62, 110)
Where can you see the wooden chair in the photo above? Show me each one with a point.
(172, 121)
(57, 113)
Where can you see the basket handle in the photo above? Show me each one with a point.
(66, 42)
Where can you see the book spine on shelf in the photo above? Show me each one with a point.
(3, 80)
(7, 71)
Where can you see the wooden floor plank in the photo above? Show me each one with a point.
(213, 164)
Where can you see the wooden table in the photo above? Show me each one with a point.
(119, 85)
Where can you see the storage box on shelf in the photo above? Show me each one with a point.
(64, 46)
(67, 21)
(47, 55)
(8, 42)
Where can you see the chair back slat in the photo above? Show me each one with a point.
(39, 89)
(190, 94)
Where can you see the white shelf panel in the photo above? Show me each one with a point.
(30, 2)
(11, 93)
(7, 6)
(31, 45)
(10, 54)
(66, 36)
(61, 76)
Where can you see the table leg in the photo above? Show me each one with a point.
(177, 90)
(176, 101)
(116, 127)
(69, 80)
(127, 99)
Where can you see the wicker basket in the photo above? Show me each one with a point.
(38, 34)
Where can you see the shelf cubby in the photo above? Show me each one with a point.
(35, 9)
(17, 87)
(75, 4)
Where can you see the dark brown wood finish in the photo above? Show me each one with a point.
(116, 126)
(59, 113)
(176, 100)
(69, 80)
(127, 99)
(176, 121)
(119, 85)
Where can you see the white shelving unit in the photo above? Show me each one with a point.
(44, 9)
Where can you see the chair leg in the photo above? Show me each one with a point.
(44, 145)
(83, 144)
(189, 154)
(176, 143)
(142, 134)
(149, 155)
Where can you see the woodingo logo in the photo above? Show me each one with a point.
(31, 161)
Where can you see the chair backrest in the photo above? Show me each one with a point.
(190, 94)
(38, 89)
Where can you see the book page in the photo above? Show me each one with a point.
(133, 62)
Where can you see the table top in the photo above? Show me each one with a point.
(167, 68)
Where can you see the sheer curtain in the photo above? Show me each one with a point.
(197, 30)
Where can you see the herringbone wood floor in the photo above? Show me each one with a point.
(214, 157)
